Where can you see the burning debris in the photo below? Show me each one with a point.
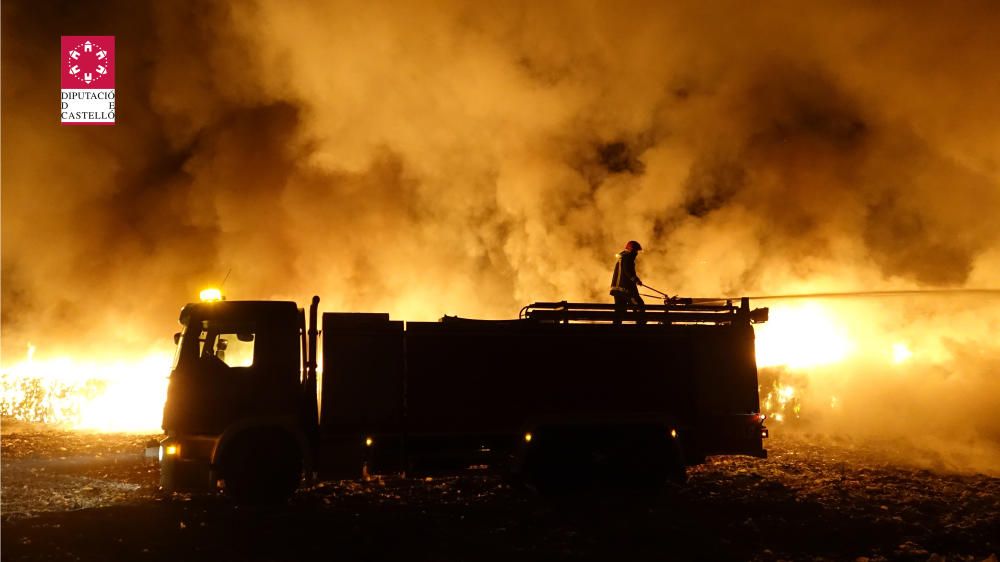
(49, 470)
(814, 498)
(91, 395)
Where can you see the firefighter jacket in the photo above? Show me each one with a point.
(624, 279)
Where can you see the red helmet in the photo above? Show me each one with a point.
(633, 246)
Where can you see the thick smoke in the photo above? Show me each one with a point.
(454, 157)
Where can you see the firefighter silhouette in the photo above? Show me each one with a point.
(625, 283)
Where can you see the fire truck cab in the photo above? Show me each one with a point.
(568, 393)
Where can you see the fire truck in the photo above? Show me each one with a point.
(566, 394)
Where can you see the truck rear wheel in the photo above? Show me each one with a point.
(262, 466)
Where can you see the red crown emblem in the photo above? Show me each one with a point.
(88, 62)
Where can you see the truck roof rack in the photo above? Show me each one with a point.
(673, 311)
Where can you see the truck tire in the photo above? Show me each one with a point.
(262, 467)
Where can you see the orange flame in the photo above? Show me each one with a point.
(802, 336)
(104, 396)
(128, 395)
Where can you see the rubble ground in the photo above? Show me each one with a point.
(86, 496)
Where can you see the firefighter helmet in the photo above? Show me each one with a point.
(633, 246)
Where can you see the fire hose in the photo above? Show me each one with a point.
(986, 292)
(660, 294)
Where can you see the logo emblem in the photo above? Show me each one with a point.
(88, 80)
(88, 62)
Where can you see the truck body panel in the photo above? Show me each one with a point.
(457, 387)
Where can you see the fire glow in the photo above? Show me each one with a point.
(120, 396)
(128, 394)
(802, 336)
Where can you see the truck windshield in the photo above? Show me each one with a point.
(179, 341)
(214, 341)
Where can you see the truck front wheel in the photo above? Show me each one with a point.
(261, 466)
